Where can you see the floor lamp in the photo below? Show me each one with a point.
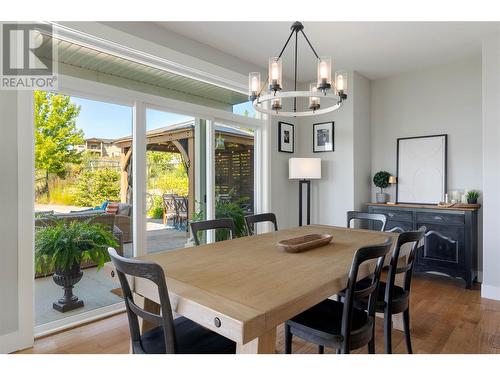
(304, 170)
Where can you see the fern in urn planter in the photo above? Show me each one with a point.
(62, 246)
(381, 180)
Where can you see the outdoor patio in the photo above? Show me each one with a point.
(95, 289)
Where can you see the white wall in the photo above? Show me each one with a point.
(491, 166)
(438, 100)
(343, 183)
(362, 141)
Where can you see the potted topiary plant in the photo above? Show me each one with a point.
(472, 196)
(61, 247)
(381, 180)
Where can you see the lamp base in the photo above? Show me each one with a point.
(308, 187)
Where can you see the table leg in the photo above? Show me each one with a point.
(264, 344)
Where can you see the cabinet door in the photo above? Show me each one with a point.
(398, 226)
(444, 248)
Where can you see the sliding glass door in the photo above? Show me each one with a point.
(83, 175)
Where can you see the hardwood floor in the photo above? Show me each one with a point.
(446, 318)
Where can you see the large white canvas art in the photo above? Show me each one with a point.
(422, 169)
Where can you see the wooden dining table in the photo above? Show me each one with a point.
(245, 288)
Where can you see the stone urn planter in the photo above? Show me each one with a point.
(67, 280)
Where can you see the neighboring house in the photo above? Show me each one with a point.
(101, 146)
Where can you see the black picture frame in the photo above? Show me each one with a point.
(445, 184)
(330, 127)
(286, 141)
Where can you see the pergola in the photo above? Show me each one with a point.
(233, 158)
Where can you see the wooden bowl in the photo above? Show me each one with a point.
(304, 243)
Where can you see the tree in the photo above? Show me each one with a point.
(56, 134)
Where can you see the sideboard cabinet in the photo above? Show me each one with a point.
(450, 245)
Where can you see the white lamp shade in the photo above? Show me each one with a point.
(304, 168)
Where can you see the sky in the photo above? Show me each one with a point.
(106, 120)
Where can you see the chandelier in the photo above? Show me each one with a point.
(267, 98)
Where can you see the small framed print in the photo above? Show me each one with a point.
(286, 137)
(323, 137)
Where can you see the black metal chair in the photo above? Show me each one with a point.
(227, 224)
(393, 299)
(251, 220)
(352, 215)
(341, 325)
(179, 336)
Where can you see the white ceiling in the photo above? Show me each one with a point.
(374, 49)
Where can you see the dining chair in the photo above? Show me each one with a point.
(341, 325)
(179, 336)
(226, 224)
(393, 299)
(251, 220)
(358, 215)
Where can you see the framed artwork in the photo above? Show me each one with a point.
(286, 137)
(422, 169)
(323, 137)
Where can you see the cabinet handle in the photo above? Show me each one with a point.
(438, 218)
(390, 214)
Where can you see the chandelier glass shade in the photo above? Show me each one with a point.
(268, 97)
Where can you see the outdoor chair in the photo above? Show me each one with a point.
(169, 210)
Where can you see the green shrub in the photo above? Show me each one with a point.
(156, 212)
(173, 183)
(97, 186)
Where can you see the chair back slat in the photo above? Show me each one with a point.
(199, 226)
(413, 239)
(153, 272)
(375, 253)
(357, 215)
(146, 315)
(251, 220)
(362, 293)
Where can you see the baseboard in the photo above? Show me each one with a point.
(490, 292)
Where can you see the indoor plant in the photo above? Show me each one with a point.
(472, 196)
(381, 180)
(62, 246)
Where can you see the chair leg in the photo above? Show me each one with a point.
(406, 324)
(388, 331)
(321, 349)
(371, 344)
(339, 351)
(288, 340)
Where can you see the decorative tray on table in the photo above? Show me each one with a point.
(304, 243)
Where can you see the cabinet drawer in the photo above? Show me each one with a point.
(440, 218)
(396, 215)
